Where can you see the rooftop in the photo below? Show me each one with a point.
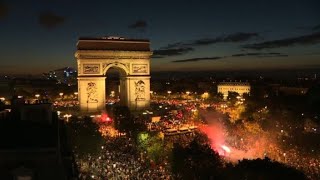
(20, 134)
(113, 43)
(234, 84)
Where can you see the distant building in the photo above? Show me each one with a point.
(28, 86)
(65, 75)
(289, 90)
(5, 88)
(31, 145)
(38, 112)
(292, 90)
(238, 87)
(4, 114)
(30, 151)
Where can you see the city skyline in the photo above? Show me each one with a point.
(39, 36)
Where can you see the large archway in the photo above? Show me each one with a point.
(96, 56)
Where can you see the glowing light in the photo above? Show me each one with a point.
(226, 148)
(205, 95)
(105, 118)
(67, 116)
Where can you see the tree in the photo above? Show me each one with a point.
(232, 97)
(196, 161)
(84, 135)
(122, 119)
(262, 169)
(153, 145)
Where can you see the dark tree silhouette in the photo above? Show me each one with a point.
(262, 169)
(125, 122)
(84, 136)
(196, 161)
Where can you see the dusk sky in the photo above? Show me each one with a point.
(41, 35)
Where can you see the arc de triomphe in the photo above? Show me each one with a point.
(130, 57)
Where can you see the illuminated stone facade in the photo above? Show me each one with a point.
(130, 57)
(239, 87)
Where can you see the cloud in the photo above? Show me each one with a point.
(315, 28)
(257, 54)
(181, 48)
(240, 37)
(260, 55)
(309, 39)
(140, 24)
(163, 52)
(3, 10)
(197, 59)
(308, 28)
(50, 20)
(235, 38)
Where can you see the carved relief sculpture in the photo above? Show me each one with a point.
(139, 68)
(140, 90)
(91, 69)
(92, 92)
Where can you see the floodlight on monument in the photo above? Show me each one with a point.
(206, 94)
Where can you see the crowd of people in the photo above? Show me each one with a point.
(308, 164)
(119, 159)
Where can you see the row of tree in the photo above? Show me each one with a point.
(199, 161)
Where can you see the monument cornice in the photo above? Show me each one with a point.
(102, 54)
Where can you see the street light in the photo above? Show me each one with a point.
(37, 96)
(205, 95)
(187, 92)
(169, 92)
(61, 94)
(67, 116)
(224, 106)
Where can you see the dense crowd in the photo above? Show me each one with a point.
(310, 165)
(119, 159)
